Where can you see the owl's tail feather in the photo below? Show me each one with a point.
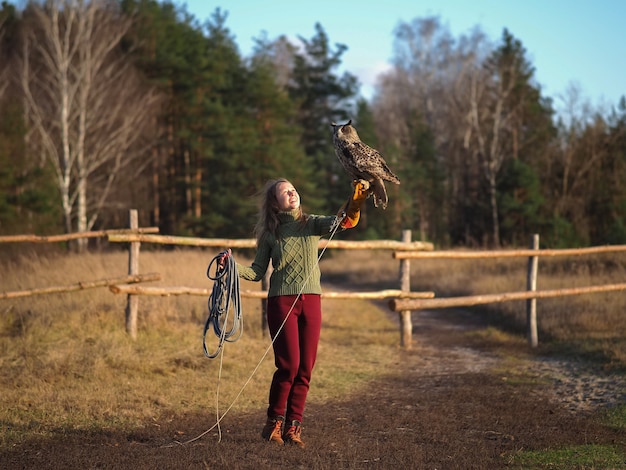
(393, 178)
(380, 193)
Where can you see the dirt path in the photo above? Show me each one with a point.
(445, 406)
(575, 385)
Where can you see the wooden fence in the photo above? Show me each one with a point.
(531, 294)
(135, 239)
(402, 300)
(135, 235)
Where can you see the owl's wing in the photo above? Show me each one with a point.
(363, 154)
(368, 160)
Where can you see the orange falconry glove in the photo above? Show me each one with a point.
(350, 213)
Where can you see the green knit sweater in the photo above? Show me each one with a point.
(294, 256)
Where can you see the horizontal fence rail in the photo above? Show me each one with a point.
(530, 295)
(82, 285)
(135, 240)
(508, 253)
(73, 236)
(251, 243)
(261, 294)
(468, 301)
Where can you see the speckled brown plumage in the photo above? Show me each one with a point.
(362, 161)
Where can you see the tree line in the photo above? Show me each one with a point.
(107, 105)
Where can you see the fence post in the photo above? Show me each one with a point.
(132, 301)
(406, 325)
(531, 285)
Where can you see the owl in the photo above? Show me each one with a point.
(362, 161)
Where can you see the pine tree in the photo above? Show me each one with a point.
(321, 97)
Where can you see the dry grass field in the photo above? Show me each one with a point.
(77, 392)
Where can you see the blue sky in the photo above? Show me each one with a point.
(580, 42)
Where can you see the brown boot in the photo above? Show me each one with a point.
(273, 429)
(292, 434)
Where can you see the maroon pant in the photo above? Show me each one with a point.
(295, 350)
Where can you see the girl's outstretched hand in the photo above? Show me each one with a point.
(223, 257)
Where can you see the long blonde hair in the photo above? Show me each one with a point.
(268, 221)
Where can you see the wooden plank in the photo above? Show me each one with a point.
(398, 305)
(376, 245)
(251, 243)
(184, 241)
(82, 285)
(74, 236)
(259, 294)
(508, 253)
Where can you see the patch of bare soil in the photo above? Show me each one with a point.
(444, 406)
(575, 385)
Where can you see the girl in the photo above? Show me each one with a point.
(289, 238)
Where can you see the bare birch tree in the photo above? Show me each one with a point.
(489, 124)
(581, 159)
(84, 102)
(573, 162)
(496, 99)
(408, 98)
(430, 80)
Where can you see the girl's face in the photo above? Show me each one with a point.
(287, 197)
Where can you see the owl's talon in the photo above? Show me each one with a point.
(360, 189)
(365, 185)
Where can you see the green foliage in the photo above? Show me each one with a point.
(27, 192)
(322, 97)
(416, 202)
(585, 456)
(423, 181)
(520, 202)
(616, 231)
(526, 120)
(560, 233)
(607, 201)
(229, 126)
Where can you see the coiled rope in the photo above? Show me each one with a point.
(225, 293)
